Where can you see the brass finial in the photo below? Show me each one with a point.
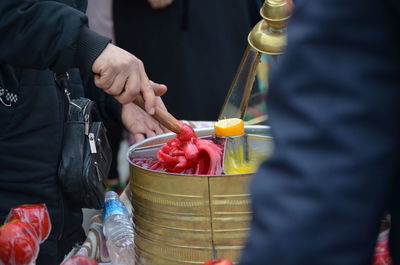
(268, 35)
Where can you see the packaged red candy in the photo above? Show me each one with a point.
(18, 243)
(34, 214)
(382, 255)
(219, 261)
(79, 260)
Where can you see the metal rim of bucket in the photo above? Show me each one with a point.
(201, 132)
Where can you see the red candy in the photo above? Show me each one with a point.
(18, 243)
(382, 255)
(187, 154)
(34, 214)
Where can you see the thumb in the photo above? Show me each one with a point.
(159, 89)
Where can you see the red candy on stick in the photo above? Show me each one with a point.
(382, 255)
(27, 226)
(187, 154)
(18, 243)
(34, 214)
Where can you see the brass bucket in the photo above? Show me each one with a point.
(188, 219)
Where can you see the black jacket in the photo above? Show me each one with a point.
(334, 113)
(37, 38)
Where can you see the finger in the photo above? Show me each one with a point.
(160, 103)
(139, 137)
(150, 123)
(147, 91)
(159, 89)
(165, 130)
(158, 129)
(117, 86)
(136, 128)
(124, 97)
(97, 80)
(155, 4)
(165, 3)
(104, 81)
(150, 134)
(132, 90)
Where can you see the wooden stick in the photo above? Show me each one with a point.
(162, 116)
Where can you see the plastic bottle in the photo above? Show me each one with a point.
(118, 230)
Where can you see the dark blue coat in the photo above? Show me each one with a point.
(334, 111)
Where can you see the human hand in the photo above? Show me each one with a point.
(139, 123)
(158, 4)
(122, 75)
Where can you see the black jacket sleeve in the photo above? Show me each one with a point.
(47, 34)
(334, 113)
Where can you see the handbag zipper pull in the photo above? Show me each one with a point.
(92, 143)
(86, 124)
(99, 175)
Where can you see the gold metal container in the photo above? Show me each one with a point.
(188, 219)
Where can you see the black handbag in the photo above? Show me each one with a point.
(86, 153)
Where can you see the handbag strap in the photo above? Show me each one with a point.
(62, 81)
(80, 109)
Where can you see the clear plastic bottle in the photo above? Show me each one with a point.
(118, 230)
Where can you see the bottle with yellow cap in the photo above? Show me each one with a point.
(235, 159)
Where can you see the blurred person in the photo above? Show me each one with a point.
(37, 39)
(333, 111)
(100, 17)
(194, 47)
